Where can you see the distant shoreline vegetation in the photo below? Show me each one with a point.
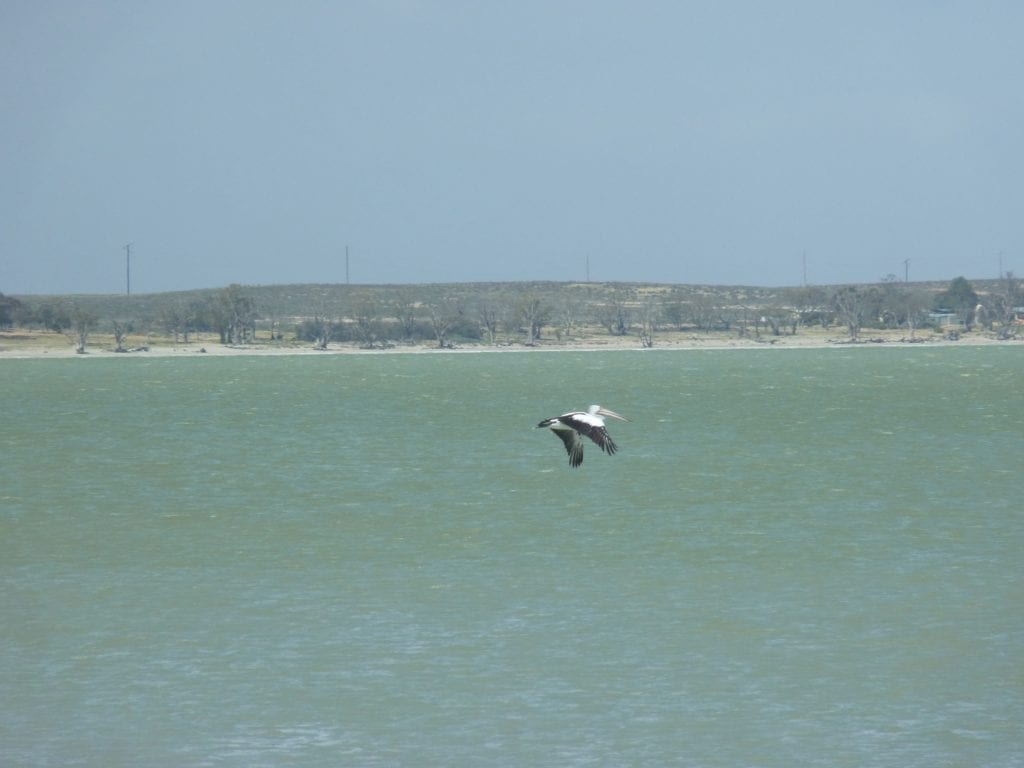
(526, 313)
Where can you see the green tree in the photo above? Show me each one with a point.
(960, 298)
(9, 309)
(53, 316)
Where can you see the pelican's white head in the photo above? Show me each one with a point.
(596, 409)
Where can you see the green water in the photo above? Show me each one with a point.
(797, 558)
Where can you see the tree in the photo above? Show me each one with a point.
(406, 310)
(82, 323)
(120, 329)
(322, 331)
(9, 309)
(813, 305)
(181, 318)
(54, 316)
(648, 315)
(444, 315)
(704, 313)
(533, 314)
(566, 314)
(917, 302)
(852, 306)
(319, 329)
(892, 302)
(488, 314)
(1005, 301)
(743, 316)
(613, 314)
(233, 315)
(776, 318)
(272, 312)
(959, 298)
(367, 324)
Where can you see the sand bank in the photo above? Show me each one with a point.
(23, 345)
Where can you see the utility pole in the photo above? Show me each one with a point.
(906, 270)
(128, 269)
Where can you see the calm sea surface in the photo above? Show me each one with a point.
(797, 558)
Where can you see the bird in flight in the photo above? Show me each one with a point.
(572, 427)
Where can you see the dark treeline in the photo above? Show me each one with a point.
(503, 313)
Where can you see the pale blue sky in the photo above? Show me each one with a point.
(690, 142)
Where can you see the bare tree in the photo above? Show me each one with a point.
(488, 315)
(444, 315)
(812, 305)
(534, 314)
(82, 323)
(853, 306)
(322, 329)
(273, 316)
(233, 315)
(178, 318)
(776, 318)
(406, 310)
(704, 313)
(120, 329)
(899, 304)
(744, 316)
(613, 313)
(1005, 303)
(566, 314)
(509, 318)
(648, 314)
(368, 325)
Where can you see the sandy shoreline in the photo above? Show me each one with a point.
(14, 346)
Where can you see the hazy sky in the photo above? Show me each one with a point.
(691, 142)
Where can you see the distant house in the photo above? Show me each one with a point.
(944, 318)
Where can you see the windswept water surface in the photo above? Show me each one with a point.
(798, 557)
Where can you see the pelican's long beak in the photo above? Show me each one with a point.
(612, 414)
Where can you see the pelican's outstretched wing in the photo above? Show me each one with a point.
(587, 425)
(573, 445)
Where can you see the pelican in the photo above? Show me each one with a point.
(572, 427)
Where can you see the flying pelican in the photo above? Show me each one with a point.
(572, 427)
